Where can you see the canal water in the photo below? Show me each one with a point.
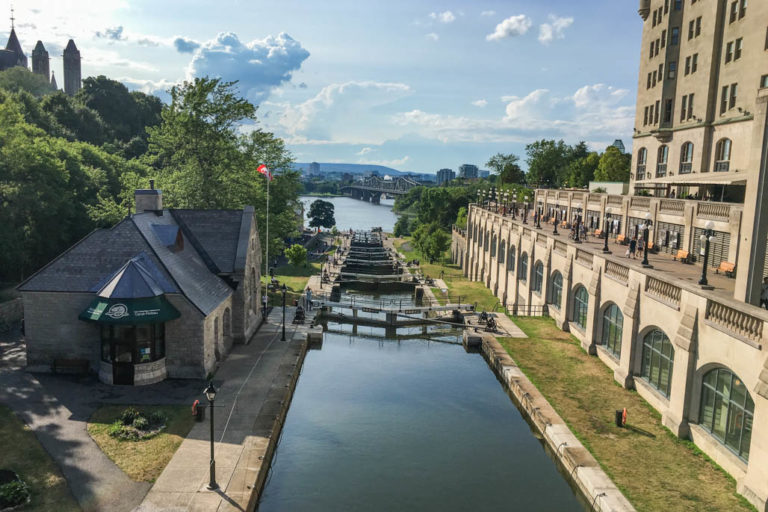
(358, 215)
(407, 425)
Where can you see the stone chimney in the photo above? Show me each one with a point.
(149, 200)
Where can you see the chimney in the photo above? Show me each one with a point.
(149, 200)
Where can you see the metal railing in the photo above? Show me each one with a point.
(723, 166)
(686, 168)
(529, 310)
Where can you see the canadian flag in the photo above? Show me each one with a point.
(263, 170)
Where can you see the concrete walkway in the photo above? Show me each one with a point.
(254, 385)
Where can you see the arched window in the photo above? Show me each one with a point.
(487, 240)
(556, 295)
(658, 359)
(613, 324)
(661, 161)
(502, 251)
(642, 157)
(523, 273)
(493, 246)
(538, 276)
(727, 410)
(511, 259)
(580, 305)
(686, 158)
(723, 155)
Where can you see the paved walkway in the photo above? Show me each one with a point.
(252, 384)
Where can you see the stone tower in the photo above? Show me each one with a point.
(72, 77)
(13, 55)
(40, 61)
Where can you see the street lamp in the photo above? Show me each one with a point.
(557, 218)
(707, 236)
(605, 247)
(538, 217)
(506, 201)
(577, 225)
(210, 394)
(514, 204)
(646, 228)
(283, 289)
(525, 208)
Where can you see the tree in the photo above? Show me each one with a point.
(402, 226)
(431, 241)
(614, 165)
(321, 214)
(582, 170)
(461, 218)
(507, 167)
(296, 254)
(548, 162)
(17, 79)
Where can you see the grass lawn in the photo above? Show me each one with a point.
(295, 279)
(142, 461)
(654, 469)
(22, 453)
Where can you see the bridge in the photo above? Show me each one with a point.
(372, 188)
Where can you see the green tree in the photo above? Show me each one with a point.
(614, 165)
(431, 241)
(321, 214)
(402, 226)
(17, 79)
(296, 255)
(548, 162)
(507, 168)
(582, 170)
(461, 218)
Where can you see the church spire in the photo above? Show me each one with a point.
(53, 81)
(12, 18)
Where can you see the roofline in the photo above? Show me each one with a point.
(68, 249)
(241, 252)
(207, 260)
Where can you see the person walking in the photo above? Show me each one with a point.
(640, 245)
(632, 247)
(309, 299)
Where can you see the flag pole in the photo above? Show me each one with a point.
(266, 240)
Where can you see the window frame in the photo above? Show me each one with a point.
(657, 349)
(580, 307)
(522, 275)
(612, 329)
(718, 385)
(538, 277)
(556, 290)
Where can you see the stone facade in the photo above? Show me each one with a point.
(706, 331)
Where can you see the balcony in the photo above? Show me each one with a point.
(640, 172)
(686, 168)
(661, 170)
(723, 166)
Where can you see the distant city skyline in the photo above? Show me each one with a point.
(413, 87)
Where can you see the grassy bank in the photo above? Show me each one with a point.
(295, 278)
(142, 461)
(654, 469)
(23, 454)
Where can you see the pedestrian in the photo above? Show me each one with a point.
(764, 294)
(264, 304)
(309, 299)
(632, 247)
(640, 245)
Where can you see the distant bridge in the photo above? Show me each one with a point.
(372, 187)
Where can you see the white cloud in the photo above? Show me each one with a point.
(511, 27)
(185, 45)
(101, 58)
(385, 163)
(443, 17)
(364, 151)
(555, 29)
(480, 103)
(259, 66)
(432, 36)
(488, 13)
(113, 33)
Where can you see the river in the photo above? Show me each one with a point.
(358, 215)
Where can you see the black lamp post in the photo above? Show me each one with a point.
(525, 209)
(210, 394)
(506, 202)
(646, 228)
(577, 225)
(607, 221)
(514, 205)
(557, 219)
(479, 197)
(283, 289)
(707, 236)
(538, 218)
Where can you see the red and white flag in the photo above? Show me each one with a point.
(266, 172)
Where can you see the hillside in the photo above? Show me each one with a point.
(350, 168)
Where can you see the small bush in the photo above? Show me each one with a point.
(13, 493)
(136, 426)
(129, 415)
(157, 418)
(140, 423)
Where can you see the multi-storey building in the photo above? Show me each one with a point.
(700, 125)
(444, 176)
(468, 171)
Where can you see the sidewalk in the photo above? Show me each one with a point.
(254, 387)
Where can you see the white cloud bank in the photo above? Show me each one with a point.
(443, 17)
(511, 27)
(555, 29)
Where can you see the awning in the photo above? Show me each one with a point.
(151, 310)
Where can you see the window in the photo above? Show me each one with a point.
(661, 72)
(642, 156)
(650, 55)
(538, 277)
(742, 9)
(511, 259)
(556, 296)
(645, 116)
(729, 52)
(687, 65)
(678, 4)
(663, 38)
(695, 62)
(580, 305)
(737, 48)
(764, 81)
(672, 70)
(613, 323)
(690, 106)
(724, 100)
(658, 361)
(523, 272)
(686, 157)
(653, 23)
(668, 111)
(648, 85)
(666, 6)
(734, 11)
(698, 26)
(132, 344)
(650, 116)
(732, 103)
(653, 80)
(691, 28)
(723, 155)
(727, 410)
(656, 113)
(661, 161)
(656, 48)
(675, 37)
(502, 248)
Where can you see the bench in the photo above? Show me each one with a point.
(651, 247)
(727, 268)
(683, 256)
(72, 366)
(621, 239)
(599, 233)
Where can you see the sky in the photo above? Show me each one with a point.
(411, 84)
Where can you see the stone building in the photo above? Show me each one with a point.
(164, 293)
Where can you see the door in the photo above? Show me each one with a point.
(122, 364)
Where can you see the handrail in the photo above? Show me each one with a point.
(735, 321)
(617, 271)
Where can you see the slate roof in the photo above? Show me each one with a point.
(213, 241)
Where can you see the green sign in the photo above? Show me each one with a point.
(149, 310)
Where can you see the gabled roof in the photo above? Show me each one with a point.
(215, 234)
(139, 278)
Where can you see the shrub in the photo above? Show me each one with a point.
(13, 493)
(140, 423)
(129, 415)
(157, 418)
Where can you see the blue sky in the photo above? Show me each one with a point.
(417, 85)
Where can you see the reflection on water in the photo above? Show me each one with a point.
(387, 425)
(358, 215)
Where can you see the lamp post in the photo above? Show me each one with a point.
(605, 247)
(577, 225)
(706, 237)
(538, 217)
(210, 394)
(646, 228)
(525, 208)
(283, 289)
(506, 201)
(514, 204)
(557, 219)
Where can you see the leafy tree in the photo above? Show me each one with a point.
(296, 254)
(75, 121)
(582, 170)
(461, 218)
(18, 79)
(547, 162)
(431, 241)
(614, 165)
(507, 168)
(402, 226)
(321, 214)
